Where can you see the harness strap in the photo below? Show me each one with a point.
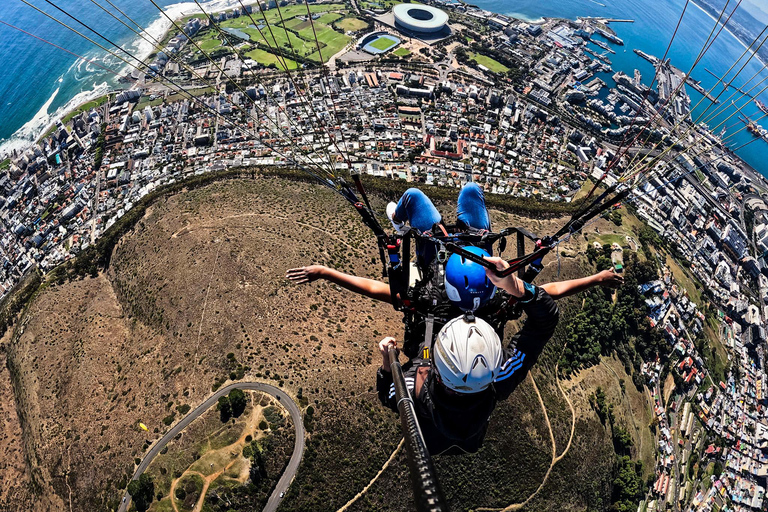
(428, 330)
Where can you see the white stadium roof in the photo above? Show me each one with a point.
(420, 18)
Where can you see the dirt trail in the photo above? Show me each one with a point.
(188, 229)
(555, 458)
(384, 467)
(236, 447)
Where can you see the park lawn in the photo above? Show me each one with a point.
(294, 23)
(381, 4)
(402, 52)
(496, 67)
(328, 18)
(383, 43)
(281, 39)
(273, 16)
(5, 164)
(611, 239)
(351, 24)
(209, 44)
(266, 58)
(331, 42)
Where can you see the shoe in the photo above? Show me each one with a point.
(399, 226)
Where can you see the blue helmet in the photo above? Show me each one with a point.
(465, 281)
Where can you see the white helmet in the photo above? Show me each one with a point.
(467, 354)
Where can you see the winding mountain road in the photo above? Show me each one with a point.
(281, 396)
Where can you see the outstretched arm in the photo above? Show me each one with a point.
(364, 286)
(607, 278)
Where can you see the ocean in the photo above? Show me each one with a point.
(654, 23)
(39, 82)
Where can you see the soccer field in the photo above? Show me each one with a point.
(383, 43)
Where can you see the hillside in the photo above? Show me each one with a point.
(200, 277)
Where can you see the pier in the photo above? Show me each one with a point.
(697, 86)
(726, 84)
(604, 20)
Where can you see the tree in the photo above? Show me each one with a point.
(142, 492)
(237, 402)
(622, 440)
(225, 409)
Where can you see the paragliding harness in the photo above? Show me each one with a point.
(395, 251)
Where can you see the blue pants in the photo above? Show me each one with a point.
(417, 208)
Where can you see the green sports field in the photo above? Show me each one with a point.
(351, 24)
(267, 58)
(496, 67)
(285, 31)
(383, 43)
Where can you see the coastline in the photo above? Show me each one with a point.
(752, 52)
(159, 30)
(41, 122)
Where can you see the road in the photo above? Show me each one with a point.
(285, 400)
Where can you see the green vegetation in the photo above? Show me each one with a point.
(273, 417)
(351, 24)
(329, 18)
(5, 164)
(402, 52)
(383, 43)
(267, 59)
(332, 42)
(232, 405)
(209, 44)
(604, 327)
(85, 107)
(142, 492)
(293, 37)
(628, 487)
(492, 65)
(100, 145)
(17, 300)
(188, 491)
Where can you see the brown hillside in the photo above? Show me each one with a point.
(201, 277)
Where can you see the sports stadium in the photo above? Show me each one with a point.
(421, 19)
(378, 42)
(417, 21)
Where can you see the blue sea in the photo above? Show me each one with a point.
(40, 82)
(654, 23)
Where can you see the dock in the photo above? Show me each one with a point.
(697, 86)
(726, 84)
(605, 20)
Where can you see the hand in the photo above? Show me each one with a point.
(511, 283)
(610, 279)
(384, 349)
(303, 275)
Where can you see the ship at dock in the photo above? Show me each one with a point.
(754, 128)
(602, 45)
(650, 58)
(761, 106)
